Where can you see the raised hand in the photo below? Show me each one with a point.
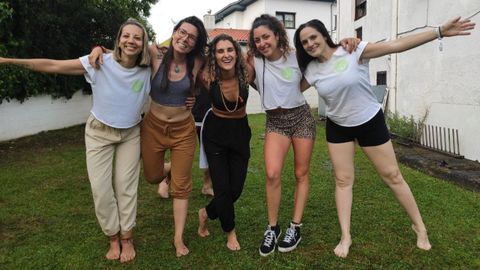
(457, 27)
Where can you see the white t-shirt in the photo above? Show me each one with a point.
(119, 93)
(344, 84)
(282, 83)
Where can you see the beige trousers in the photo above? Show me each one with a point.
(113, 164)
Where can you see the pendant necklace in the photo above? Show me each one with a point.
(223, 98)
(177, 68)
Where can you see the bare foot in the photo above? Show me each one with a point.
(341, 250)
(202, 223)
(422, 238)
(114, 251)
(180, 249)
(128, 251)
(163, 188)
(232, 242)
(207, 191)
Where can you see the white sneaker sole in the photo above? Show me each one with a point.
(288, 249)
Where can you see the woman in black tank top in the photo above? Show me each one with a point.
(226, 134)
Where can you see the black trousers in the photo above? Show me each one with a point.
(227, 147)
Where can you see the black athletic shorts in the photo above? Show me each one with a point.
(372, 133)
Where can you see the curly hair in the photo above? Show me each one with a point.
(240, 66)
(197, 51)
(276, 27)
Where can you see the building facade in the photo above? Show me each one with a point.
(438, 81)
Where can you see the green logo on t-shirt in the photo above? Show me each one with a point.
(341, 65)
(137, 85)
(287, 73)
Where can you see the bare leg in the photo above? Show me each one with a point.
(114, 251)
(163, 187)
(275, 151)
(342, 155)
(232, 242)
(302, 149)
(383, 157)
(202, 223)
(207, 183)
(180, 207)
(128, 250)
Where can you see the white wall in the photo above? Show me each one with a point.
(41, 114)
(440, 84)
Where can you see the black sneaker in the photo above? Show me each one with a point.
(270, 239)
(292, 238)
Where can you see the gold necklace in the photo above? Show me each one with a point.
(223, 98)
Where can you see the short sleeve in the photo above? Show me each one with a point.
(90, 71)
(361, 46)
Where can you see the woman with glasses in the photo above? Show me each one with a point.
(169, 125)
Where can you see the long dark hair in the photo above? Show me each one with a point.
(240, 66)
(276, 27)
(197, 51)
(303, 57)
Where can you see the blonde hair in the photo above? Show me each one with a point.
(143, 59)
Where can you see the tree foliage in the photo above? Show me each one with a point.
(58, 29)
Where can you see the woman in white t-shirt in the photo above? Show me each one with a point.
(112, 132)
(353, 113)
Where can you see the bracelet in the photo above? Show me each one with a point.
(439, 32)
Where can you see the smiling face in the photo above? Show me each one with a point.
(184, 38)
(131, 40)
(225, 55)
(313, 42)
(266, 42)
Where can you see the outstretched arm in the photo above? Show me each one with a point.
(454, 27)
(66, 67)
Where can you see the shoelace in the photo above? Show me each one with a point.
(289, 235)
(269, 235)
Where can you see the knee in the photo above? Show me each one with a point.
(392, 176)
(153, 179)
(273, 178)
(344, 180)
(301, 175)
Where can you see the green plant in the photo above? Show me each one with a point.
(405, 127)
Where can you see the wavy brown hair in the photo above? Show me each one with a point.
(278, 30)
(240, 66)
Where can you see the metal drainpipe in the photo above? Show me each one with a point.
(393, 64)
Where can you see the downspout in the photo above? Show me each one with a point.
(331, 17)
(392, 103)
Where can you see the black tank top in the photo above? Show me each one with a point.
(216, 97)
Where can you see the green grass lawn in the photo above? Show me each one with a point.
(47, 219)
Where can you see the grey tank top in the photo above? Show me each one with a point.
(174, 95)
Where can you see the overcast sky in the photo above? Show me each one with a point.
(162, 14)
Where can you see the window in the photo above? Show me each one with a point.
(360, 8)
(288, 19)
(382, 78)
(359, 32)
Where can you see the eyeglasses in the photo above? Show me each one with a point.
(190, 37)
